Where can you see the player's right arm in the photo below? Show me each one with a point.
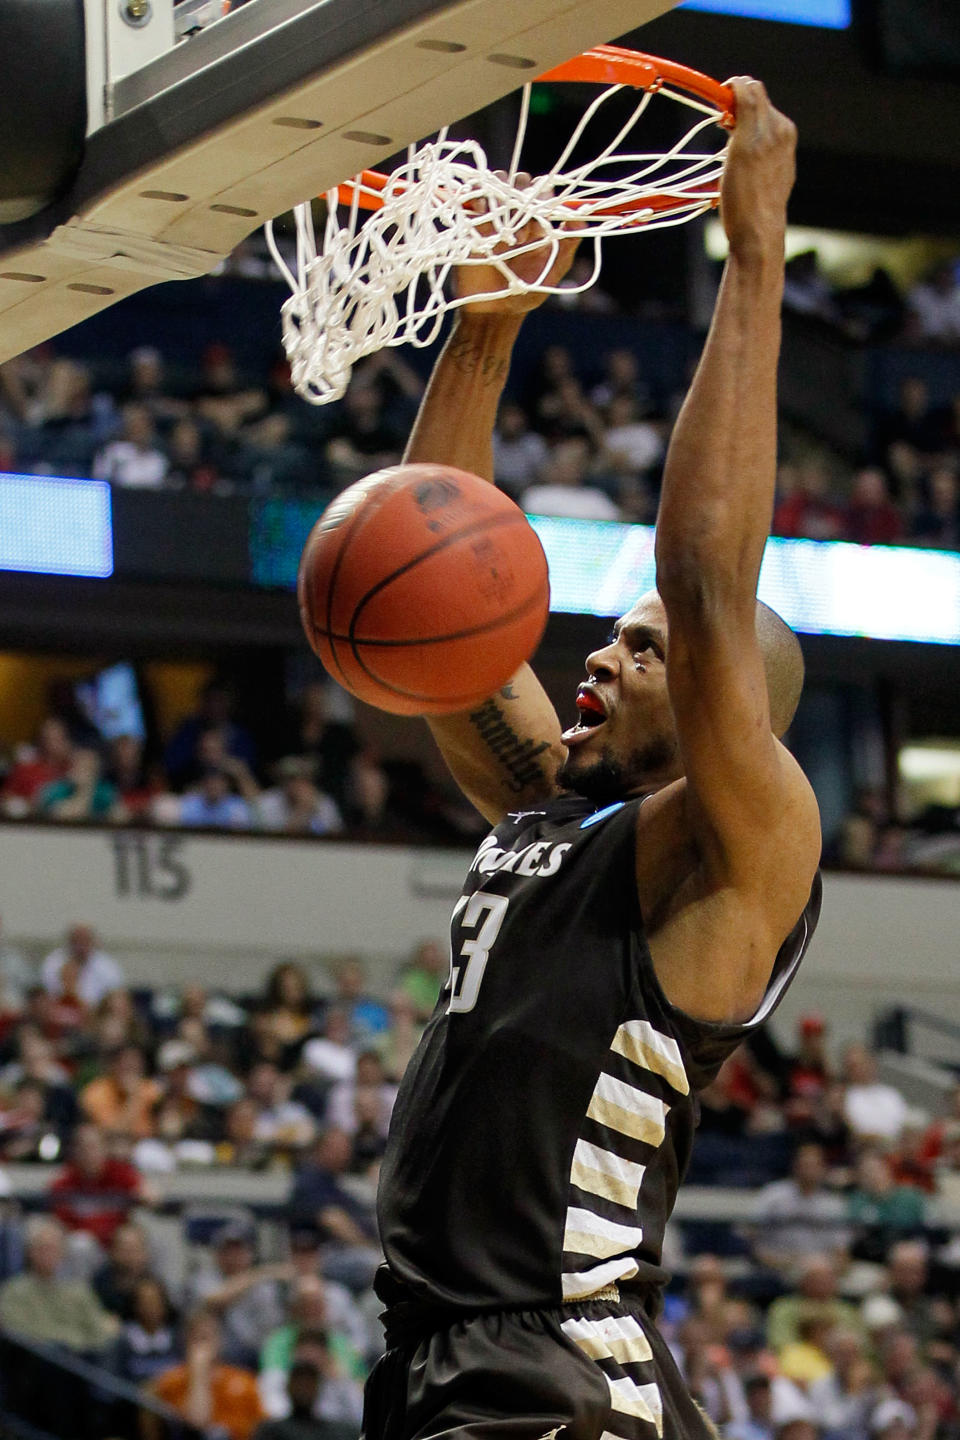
(504, 753)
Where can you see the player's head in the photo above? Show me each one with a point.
(626, 739)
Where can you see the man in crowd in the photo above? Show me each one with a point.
(303, 1390)
(40, 1306)
(244, 1296)
(208, 1394)
(95, 1192)
(798, 1216)
(98, 972)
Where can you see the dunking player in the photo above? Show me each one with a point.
(645, 898)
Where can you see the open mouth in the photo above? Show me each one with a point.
(591, 717)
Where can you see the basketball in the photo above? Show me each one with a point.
(422, 588)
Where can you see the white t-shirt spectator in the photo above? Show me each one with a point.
(798, 1224)
(875, 1110)
(127, 464)
(99, 974)
(341, 1106)
(517, 462)
(570, 502)
(639, 446)
(329, 1059)
(273, 812)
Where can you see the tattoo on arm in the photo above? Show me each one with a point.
(518, 757)
(469, 357)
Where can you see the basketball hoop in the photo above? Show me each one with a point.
(390, 242)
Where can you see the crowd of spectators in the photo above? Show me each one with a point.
(828, 1309)
(310, 775)
(114, 1090)
(579, 436)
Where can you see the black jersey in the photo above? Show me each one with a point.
(544, 1124)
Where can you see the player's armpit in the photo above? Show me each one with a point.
(505, 752)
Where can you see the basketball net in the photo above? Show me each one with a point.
(381, 274)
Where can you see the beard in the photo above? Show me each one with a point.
(605, 777)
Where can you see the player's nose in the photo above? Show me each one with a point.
(603, 662)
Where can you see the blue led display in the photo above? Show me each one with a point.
(52, 526)
(831, 14)
(882, 592)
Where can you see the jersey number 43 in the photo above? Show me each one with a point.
(484, 914)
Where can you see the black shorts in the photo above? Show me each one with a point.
(598, 1370)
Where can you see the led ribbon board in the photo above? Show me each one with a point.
(882, 592)
(832, 14)
(598, 567)
(52, 526)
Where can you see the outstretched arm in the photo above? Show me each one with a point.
(750, 811)
(505, 752)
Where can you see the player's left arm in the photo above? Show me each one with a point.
(750, 811)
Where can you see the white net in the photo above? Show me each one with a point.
(383, 277)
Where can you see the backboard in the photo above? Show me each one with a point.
(273, 103)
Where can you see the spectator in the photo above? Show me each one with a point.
(425, 976)
(239, 1145)
(621, 378)
(341, 1398)
(48, 760)
(874, 1110)
(872, 517)
(244, 1296)
(313, 730)
(288, 1002)
(98, 972)
(330, 1056)
(121, 1102)
(845, 1399)
(910, 1162)
(135, 787)
(758, 1423)
(305, 1385)
(207, 1392)
(808, 512)
(191, 468)
(183, 760)
(632, 446)
(367, 1016)
(17, 975)
(342, 1313)
(912, 423)
(82, 793)
(147, 385)
(807, 1071)
(806, 291)
(320, 1199)
(397, 1045)
(127, 1263)
(25, 1133)
(518, 451)
(213, 802)
(936, 522)
(933, 307)
(148, 1342)
(40, 1306)
(222, 398)
(94, 1193)
(908, 1281)
(362, 438)
(295, 805)
(135, 459)
(368, 1087)
(881, 1210)
(816, 1298)
(563, 488)
(281, 1122)
(800, 1215)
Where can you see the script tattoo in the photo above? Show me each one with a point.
(470, 358)
(518, 757)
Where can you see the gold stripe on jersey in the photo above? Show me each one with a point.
(642, 1401)
(640, 1043)
(602, 1173)
(615, 1337)
(584, 1284)
(631, 1111)
(590, 1234)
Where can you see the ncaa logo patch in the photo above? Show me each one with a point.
(599, 815)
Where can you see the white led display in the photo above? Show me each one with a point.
(53, 526)
(820, 588)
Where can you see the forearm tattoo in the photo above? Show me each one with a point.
(518, 757)
(472, 358)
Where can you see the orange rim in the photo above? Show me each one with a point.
(603, 65)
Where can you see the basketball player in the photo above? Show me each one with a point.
(643, 901)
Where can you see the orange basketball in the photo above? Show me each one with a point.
(422, 588)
